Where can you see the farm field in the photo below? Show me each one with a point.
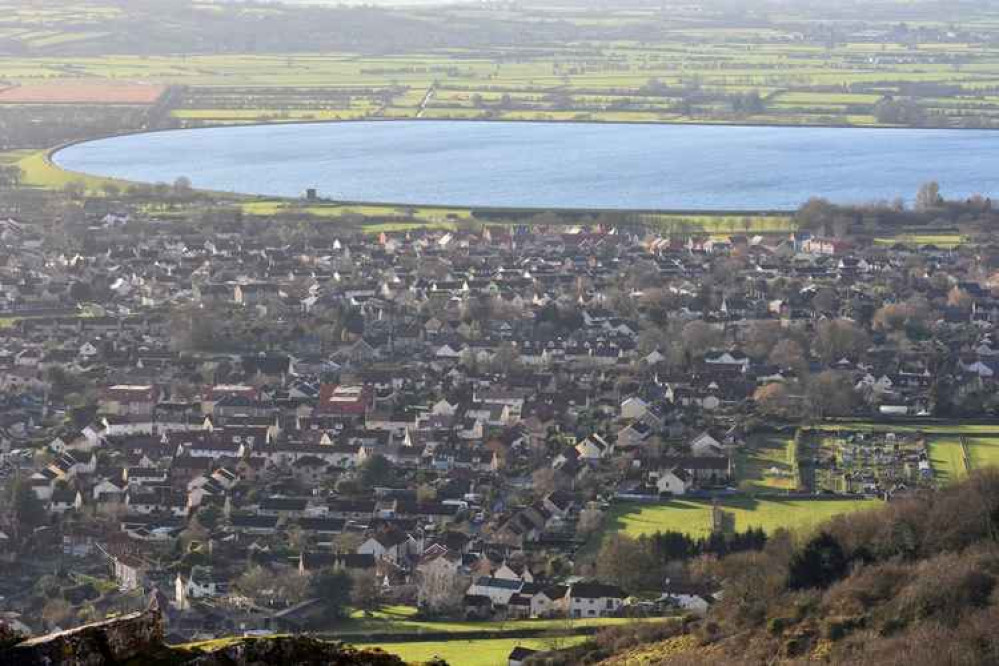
(72, 92)
(594, 81)
(693, 517)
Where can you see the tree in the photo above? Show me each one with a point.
(928, 197)
(543, 481)
(28, 512)
(787, 355)
(9, 637)
(365, 592)
(819, 564)
(839, 338)
(333, 588)
(590, 520)
(628, 563)
(699, 337)
(831, 393)
(375, 471)
(825, 300)
(506, 358)
(761, 337)
(773, 399)
(75, 189)
(81, 292)
(10, 176)
(959, 298)
(57, 613)
(254, 582)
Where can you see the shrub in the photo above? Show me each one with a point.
(8, 636)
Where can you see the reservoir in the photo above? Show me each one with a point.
(555, 165)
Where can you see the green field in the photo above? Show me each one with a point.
(929, 428)
(402, 619)
(947, 460)
(943, 241)
(984, 452)
(766, 463)
(491, 652)
(693, 517)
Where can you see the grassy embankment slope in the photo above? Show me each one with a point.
(912, 583)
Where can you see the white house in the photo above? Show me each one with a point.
(675, 481)
(393, 546)
(498, 590)
(593, 448)
(549, 601)
(706, 445)
(594, 600)
(634, 408)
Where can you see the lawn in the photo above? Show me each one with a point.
(944, 241)
(930, 427)
(766, 463)
(491, 652)
(401, 619)
(947, 460)
(693, 517)
(39, 171)
(983, 451)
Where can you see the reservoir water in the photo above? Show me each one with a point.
(555, 165)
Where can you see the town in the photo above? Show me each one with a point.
(480, 424)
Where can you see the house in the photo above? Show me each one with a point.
(633, 436)
(514, 571)
(706, 445)
(550, 601)
(593, 448)
(676, 481)
(696, 599)
(498, 590)
(65, 500)
(393, 545)
(129, 400)
(129, 572)
(594, 600)
(634, 408)
(703, 471)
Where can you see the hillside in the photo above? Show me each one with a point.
(874, 587)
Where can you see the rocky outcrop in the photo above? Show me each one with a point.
(287, 650)
(110, 642)
(137, 639)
